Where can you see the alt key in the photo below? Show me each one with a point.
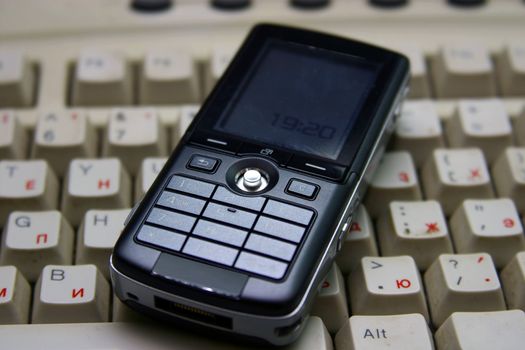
(203, 163)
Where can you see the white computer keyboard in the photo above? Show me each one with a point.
(95, 94)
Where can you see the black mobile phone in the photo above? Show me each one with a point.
(247, 215)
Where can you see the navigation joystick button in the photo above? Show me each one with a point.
(252, 179)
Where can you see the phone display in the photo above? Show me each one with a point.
(300, 98)
(246, 217)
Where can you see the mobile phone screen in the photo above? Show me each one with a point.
(301, 98)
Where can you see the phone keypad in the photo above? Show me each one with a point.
(202, 220)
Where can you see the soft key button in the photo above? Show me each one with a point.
(203, 163)
(302, 189)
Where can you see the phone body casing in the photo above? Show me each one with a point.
(200, 249)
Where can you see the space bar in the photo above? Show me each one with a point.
(98, 336)
(137, 336)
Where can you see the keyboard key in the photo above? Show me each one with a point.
(509, 176)
(230, 5)
(33, 240)
(194, 187)
(95, 183)
(452, 175)
(139, 336)
(271, 247)
(260, 265)
(134, 134)
(462, 282)
(418, 229)
(481, 123)
(97, 235)
(288, 212)
(513, 280)
(314, 337)
(15, 294)
(17, 80)
(148, 172)
(13, 138)
(26, 185)
(396, 332)
(386, 285)
(187, 113)
(491, 226)
(219, 59)
(220, 233)
(394, 179)
(210, 251)
(511, 70)
(418, 130)
(160, 237)
(171, 220)
(279, 229)
(331, 304)
(101, 79)
(309, 4)
(359, 242)
(168, 77)
(502, 330)
(419, 86)
(463, 70)
(70, 294)
(229, 215)
(62, 136)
